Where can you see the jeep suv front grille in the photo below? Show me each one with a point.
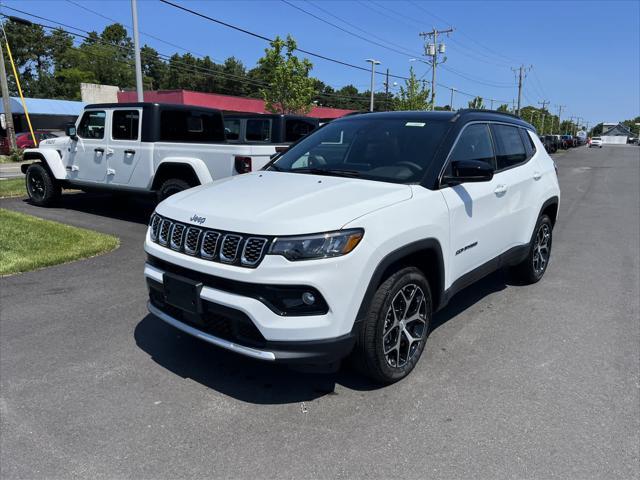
(218, 246)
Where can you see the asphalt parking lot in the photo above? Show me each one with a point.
(540, 381)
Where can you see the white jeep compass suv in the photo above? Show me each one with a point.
(350, 241)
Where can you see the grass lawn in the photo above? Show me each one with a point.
(12, 187)
(28, 243)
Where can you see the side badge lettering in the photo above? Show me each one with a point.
(464, 249)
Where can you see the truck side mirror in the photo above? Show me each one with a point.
(70, 131)
(464, 171)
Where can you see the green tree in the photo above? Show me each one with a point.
(477, 103)
(504, 108)
(153, 68)
(414, 95)
(289, 87)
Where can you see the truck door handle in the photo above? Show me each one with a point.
(500, 190)
(130, 152)
(98, 150)
(537, 175)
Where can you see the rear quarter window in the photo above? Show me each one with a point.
(191, 126)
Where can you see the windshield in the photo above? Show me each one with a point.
(384, 149)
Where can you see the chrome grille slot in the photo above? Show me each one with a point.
(252, 251)
(229, 248)
(177, 234)
(163, 234)
(209, 244)
(191, 240)
(156, 220)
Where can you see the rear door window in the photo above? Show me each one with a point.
(510, 150)
(125, 124)
(92, 124)
(258, 130)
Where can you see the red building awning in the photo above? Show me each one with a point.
(222, 102)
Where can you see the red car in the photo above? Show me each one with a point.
(24, 140)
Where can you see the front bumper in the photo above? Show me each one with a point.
(236, 323)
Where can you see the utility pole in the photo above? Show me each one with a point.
(373, 72)
(431, 49)
(560, 107)
(6, 100)
(491, 103)
(451, 103)
(542, 127)
(522, 74)
(136, 48)
(386, 90)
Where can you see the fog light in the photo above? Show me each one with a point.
(308, 298)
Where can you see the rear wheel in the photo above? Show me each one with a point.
(532, 268)
(393, 335)
(42, 188)
(170, 187)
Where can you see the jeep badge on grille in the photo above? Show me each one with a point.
(197, 219)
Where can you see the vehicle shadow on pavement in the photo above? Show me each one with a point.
(239, 377)
(492, 283)
(129, 208)
(259, 382)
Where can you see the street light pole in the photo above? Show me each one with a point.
(451, 103)
(373, 73)
(136, 47)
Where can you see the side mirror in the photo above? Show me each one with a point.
(464, 171)
(70, 131)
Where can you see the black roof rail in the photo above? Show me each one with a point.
(486, 110)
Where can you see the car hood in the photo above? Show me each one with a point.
(275, 203)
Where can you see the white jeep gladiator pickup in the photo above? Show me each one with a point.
(139, 148)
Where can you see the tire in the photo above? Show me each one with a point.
(532, 268)
(382, 326)
(42, 188)
(170, 187)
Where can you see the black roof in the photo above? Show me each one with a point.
(445, 115)
(175, 106)
(265, 115)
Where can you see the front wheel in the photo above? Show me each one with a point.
(394, 332)
(532, 268)
(42, 188)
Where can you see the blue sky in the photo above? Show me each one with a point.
(585, 54)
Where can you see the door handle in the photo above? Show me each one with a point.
(111, 171)
(500, 190)
(109, 151)
(130, 152)
(537, 175)
(98, 150)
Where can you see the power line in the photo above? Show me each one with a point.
(345, 30)
(267, 39)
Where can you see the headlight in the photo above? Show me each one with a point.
(322, 245)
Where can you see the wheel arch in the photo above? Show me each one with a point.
(50, 159)
(193, 171)
(426, 255)
(550, 208)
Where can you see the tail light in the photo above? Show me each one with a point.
(243, 164)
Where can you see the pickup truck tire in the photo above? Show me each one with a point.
(532, 268)
(394, 332)
(170, 187)
(42, 188)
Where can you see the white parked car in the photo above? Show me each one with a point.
(352, 239)
(596, 142)
(139, 147)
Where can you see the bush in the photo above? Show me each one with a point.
(16, 155)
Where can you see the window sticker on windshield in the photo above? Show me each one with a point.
(415, 124)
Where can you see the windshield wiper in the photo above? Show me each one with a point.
(327, 171)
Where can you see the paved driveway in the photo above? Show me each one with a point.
(526, 382)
